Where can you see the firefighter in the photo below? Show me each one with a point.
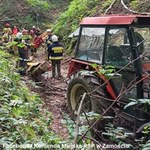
(55, 54)
(49, 37)
(48, 41)
(25, 35)
(7, 29)
(34, 29)
(37, 43)
(6, 38)
(23, 50)
(15, 30)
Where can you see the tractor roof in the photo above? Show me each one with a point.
(117, 20)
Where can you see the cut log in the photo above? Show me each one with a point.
(36, 69)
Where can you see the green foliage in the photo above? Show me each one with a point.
(83, 127)
(146, 146)
(72, 44)
(69, 124)
(146, 130)
(27, 13)
(26, 21)
(134, 3)
(70, 19)
(137, 102)
(107, 3)
(91, 116)
(132, 103)
(42, 4)
(106, 70)
(22, 119)
(117, 134)
(145, 103)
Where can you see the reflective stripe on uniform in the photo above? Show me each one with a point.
(56, 58)
(57, 49)
(24, 59)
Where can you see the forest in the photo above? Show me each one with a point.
(101, 96)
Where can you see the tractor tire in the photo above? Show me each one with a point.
(80, 84)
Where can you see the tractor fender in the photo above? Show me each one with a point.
(94, 79)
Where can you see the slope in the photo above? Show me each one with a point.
(70, 19)
(32, 12)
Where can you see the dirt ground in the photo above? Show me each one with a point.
(53, 93)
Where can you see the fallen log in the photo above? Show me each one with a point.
(36, 69)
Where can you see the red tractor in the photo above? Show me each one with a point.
(121, 43)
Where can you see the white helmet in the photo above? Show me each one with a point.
(54, 38)
(48, 30)
(19, 35)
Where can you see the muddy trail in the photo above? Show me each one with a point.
(53, 94)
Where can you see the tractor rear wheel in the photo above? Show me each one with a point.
(81, 84)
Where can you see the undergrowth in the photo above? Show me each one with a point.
(70, 19)
(134, 3)
(22, 119)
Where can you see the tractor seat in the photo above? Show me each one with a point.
(114, 56)
(114, 53)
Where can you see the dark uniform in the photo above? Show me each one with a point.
(23, 57)
(55, 54)
(49, 40)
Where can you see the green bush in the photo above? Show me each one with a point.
(134, 3)
(22, 119)
(70, 19)
(42, 4)
(107, 3)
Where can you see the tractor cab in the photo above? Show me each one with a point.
(119, 41)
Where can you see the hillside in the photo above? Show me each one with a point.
(70, 19)
(26, 13)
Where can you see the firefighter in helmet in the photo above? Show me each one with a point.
(55, 54)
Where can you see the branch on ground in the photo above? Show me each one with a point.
(132, 11)
(78, 118)
(110, 7)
